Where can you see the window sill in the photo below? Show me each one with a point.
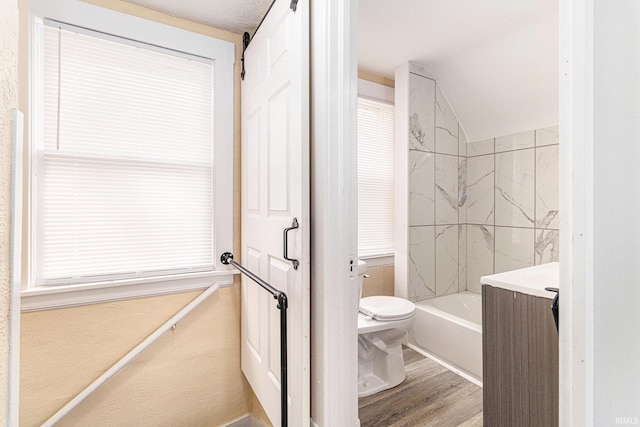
(378, 260)
(45, 298)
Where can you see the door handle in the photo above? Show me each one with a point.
(285, 245)
(554, 305)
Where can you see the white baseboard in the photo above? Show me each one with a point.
(246, 421)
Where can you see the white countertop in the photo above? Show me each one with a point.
(530, 280)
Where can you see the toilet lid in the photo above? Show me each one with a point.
(387, 308)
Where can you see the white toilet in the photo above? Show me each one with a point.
(382, 324)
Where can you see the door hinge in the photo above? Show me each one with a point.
(246, 38)
(294, 5)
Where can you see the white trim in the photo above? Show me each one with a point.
(247, 420)
(401, 180)
(378, 261)
(334, 298)
(15, 269)
(576, 212)
(376, 91)
(82, 14)
(44, 298)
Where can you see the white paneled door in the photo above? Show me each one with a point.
(275, 190)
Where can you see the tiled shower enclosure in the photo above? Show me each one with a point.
(469, 209)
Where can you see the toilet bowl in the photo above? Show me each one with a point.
(383, 322)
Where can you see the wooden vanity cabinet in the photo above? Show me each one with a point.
(520, 359)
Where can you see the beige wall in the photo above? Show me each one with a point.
(190, 377)
(364, 75)
(379, 282)
(8, 101)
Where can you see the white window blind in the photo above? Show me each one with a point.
(125, 181)
(375, 178)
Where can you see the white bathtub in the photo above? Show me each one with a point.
(449, 330)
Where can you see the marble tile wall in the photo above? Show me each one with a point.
(512, 203)
(437, 193)
(473, 208)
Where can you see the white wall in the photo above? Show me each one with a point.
(616, 271)
(599, 182)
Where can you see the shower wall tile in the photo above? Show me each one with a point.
(446, 189)
(462, 142)
(462, 190)
(547, 187)
(514, 248)
(421, 188)
(421, 113)
(446, 126)
(446, 259)
(462, 257)
(480, 251)
(475, 208)
(547, 246)
(479, 148)
(516, 141)
(422, 274)
(480, 189)
(514, 192)
(547, 136)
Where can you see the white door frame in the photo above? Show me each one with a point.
(576, 211)
(599, 130)
(334, 290)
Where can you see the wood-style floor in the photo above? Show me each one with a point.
(430, 396)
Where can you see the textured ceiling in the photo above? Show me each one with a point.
(236, 16)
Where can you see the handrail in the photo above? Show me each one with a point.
(129, 357)
(227, 258)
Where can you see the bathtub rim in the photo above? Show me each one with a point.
(428, 309)
(476, 327)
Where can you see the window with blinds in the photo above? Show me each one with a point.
(375, 178)
(125, 179)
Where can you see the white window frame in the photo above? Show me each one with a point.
(377, 92)
(78, 13)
